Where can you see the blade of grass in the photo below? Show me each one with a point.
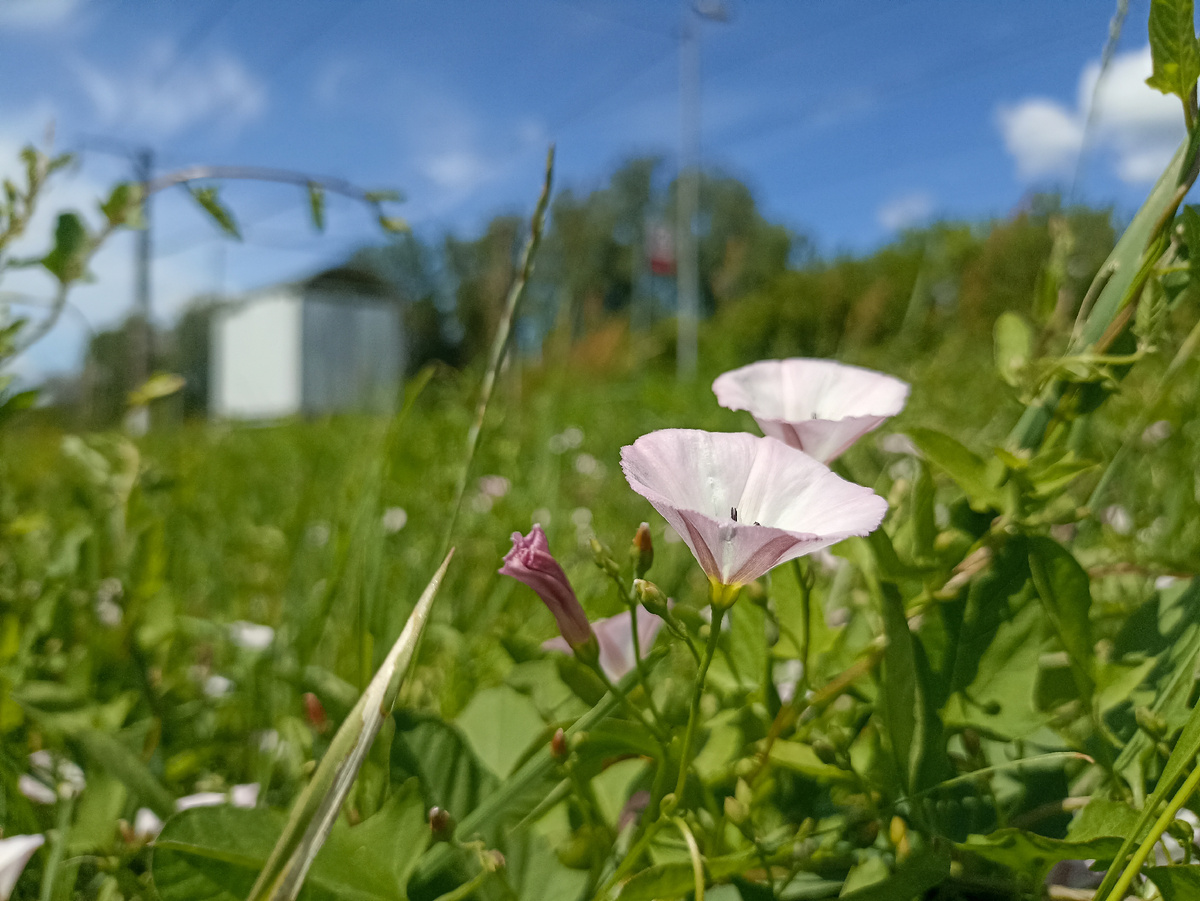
(316, 809)
(500, 342)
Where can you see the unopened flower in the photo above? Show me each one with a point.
(15, 853)
(819, 406)
(616, 642)
(531, 562)
(244, 795)
(745, 504)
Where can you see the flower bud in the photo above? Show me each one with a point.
(604, 559)
(493, 861)
(651, 597)
(314, 712)
(531, 562)
(441, 824)
(735, 811)
(558, 746)
(642, 551)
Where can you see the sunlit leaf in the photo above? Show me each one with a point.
(1173, 47)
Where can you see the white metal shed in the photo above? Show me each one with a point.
(332, 343)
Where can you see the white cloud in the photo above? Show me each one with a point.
(905, 210)
(164, 95)
(1135, 127)
(34, 15)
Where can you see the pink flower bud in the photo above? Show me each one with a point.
(531, 562)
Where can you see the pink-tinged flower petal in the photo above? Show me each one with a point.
(745, 504)
(15, 852)
(616, 641)
(819, 406)
(531, 562)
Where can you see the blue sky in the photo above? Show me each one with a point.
(849, 120)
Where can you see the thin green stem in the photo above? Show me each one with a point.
(694, 854)
(634, 711)
(710, 650)
(643, 676)
(804, 578)
(1160, 826)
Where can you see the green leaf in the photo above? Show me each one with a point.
(969, 471)
(1102, 817)
(801, 758)
(110, 754)
(1033, 855)
(499, 724)
(912, 879)
(216, 853)
(317, 808)
(1014, 346)
(393, 224)
(68, 260)
(437, 753)
(383, 196)
(316, 204)
(675, 879)
(124, 206)
(1065, 592)
(159, 385)
(912, 724)
(211, 204)
(1173, 47)
(1176, 883)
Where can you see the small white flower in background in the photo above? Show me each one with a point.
(568, 439)
(1118, 518)
(318, 534)
(1162, 583)
(244, 795)
(542, 515)
(35, 790)
(217, 686)
(785, 675)
(201, 799)
(1156, 432)
(494, 486)
(394, 519)
(670, 536)
(52, 777)
(107, 610)
(898, 443)
(239, 796)
(146, 824)
(482, 503)
(15, 853)
(251, 636)
(267, 740)
(587, 465)
(581, 517)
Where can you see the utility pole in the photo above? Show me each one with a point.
(687, 272)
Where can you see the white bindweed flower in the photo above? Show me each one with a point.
(616, 641)
(745, 504)
(251, 636)
(494, 486)
(15, 853)
(819, 406)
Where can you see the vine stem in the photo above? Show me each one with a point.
(1160, 826)
(689, 736)
(635, 712)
